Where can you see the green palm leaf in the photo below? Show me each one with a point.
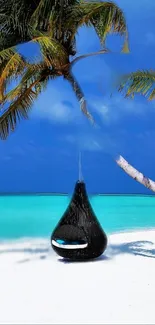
(142, 82)
(42, 13)
(48, 10)
(6, 54)
(9, 70)
(15, 21)
(22, 97)
(17, 110)
(53, 52)
(105, 17)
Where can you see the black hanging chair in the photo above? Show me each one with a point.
(78, 235)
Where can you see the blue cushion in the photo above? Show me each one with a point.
(67, 242)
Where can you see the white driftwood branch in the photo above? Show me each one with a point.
(135, 174)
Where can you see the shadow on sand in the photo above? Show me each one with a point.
(141, 248)
(30, 253)
(137, 248)
(133, 248)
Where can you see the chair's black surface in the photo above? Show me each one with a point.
(79, 223)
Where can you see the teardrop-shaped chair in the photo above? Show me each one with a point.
(78, 235)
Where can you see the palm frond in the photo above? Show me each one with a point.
(40, 16)
(17, 110)
(51, 10)
(53, 52)
(22, 97)
(9, 70)
(6, 54)
(37, 75)
(152, 95)
(105, 17)
(15, 20)
(142, 82)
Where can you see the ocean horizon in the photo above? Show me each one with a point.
(70, 194)
(36, 215)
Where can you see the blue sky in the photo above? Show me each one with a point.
(42, 155)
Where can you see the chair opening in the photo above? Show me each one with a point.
(69, 244)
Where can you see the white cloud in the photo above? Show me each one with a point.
(89, 144)
(85, 142)
(113, 109)
(102, 109)
(58, 105)
(94, 141)
(59, 112)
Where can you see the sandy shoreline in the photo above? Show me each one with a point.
(37, 287)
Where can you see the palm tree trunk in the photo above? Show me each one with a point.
(79, 94)
(135, 174)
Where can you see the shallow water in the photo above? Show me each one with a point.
(37, 215)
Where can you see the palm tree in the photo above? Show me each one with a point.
(139, 82)
(53, 25)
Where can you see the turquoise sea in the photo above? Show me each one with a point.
(37, 215)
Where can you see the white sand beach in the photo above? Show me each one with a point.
(37, 287)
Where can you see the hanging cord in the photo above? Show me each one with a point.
(80, 168)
